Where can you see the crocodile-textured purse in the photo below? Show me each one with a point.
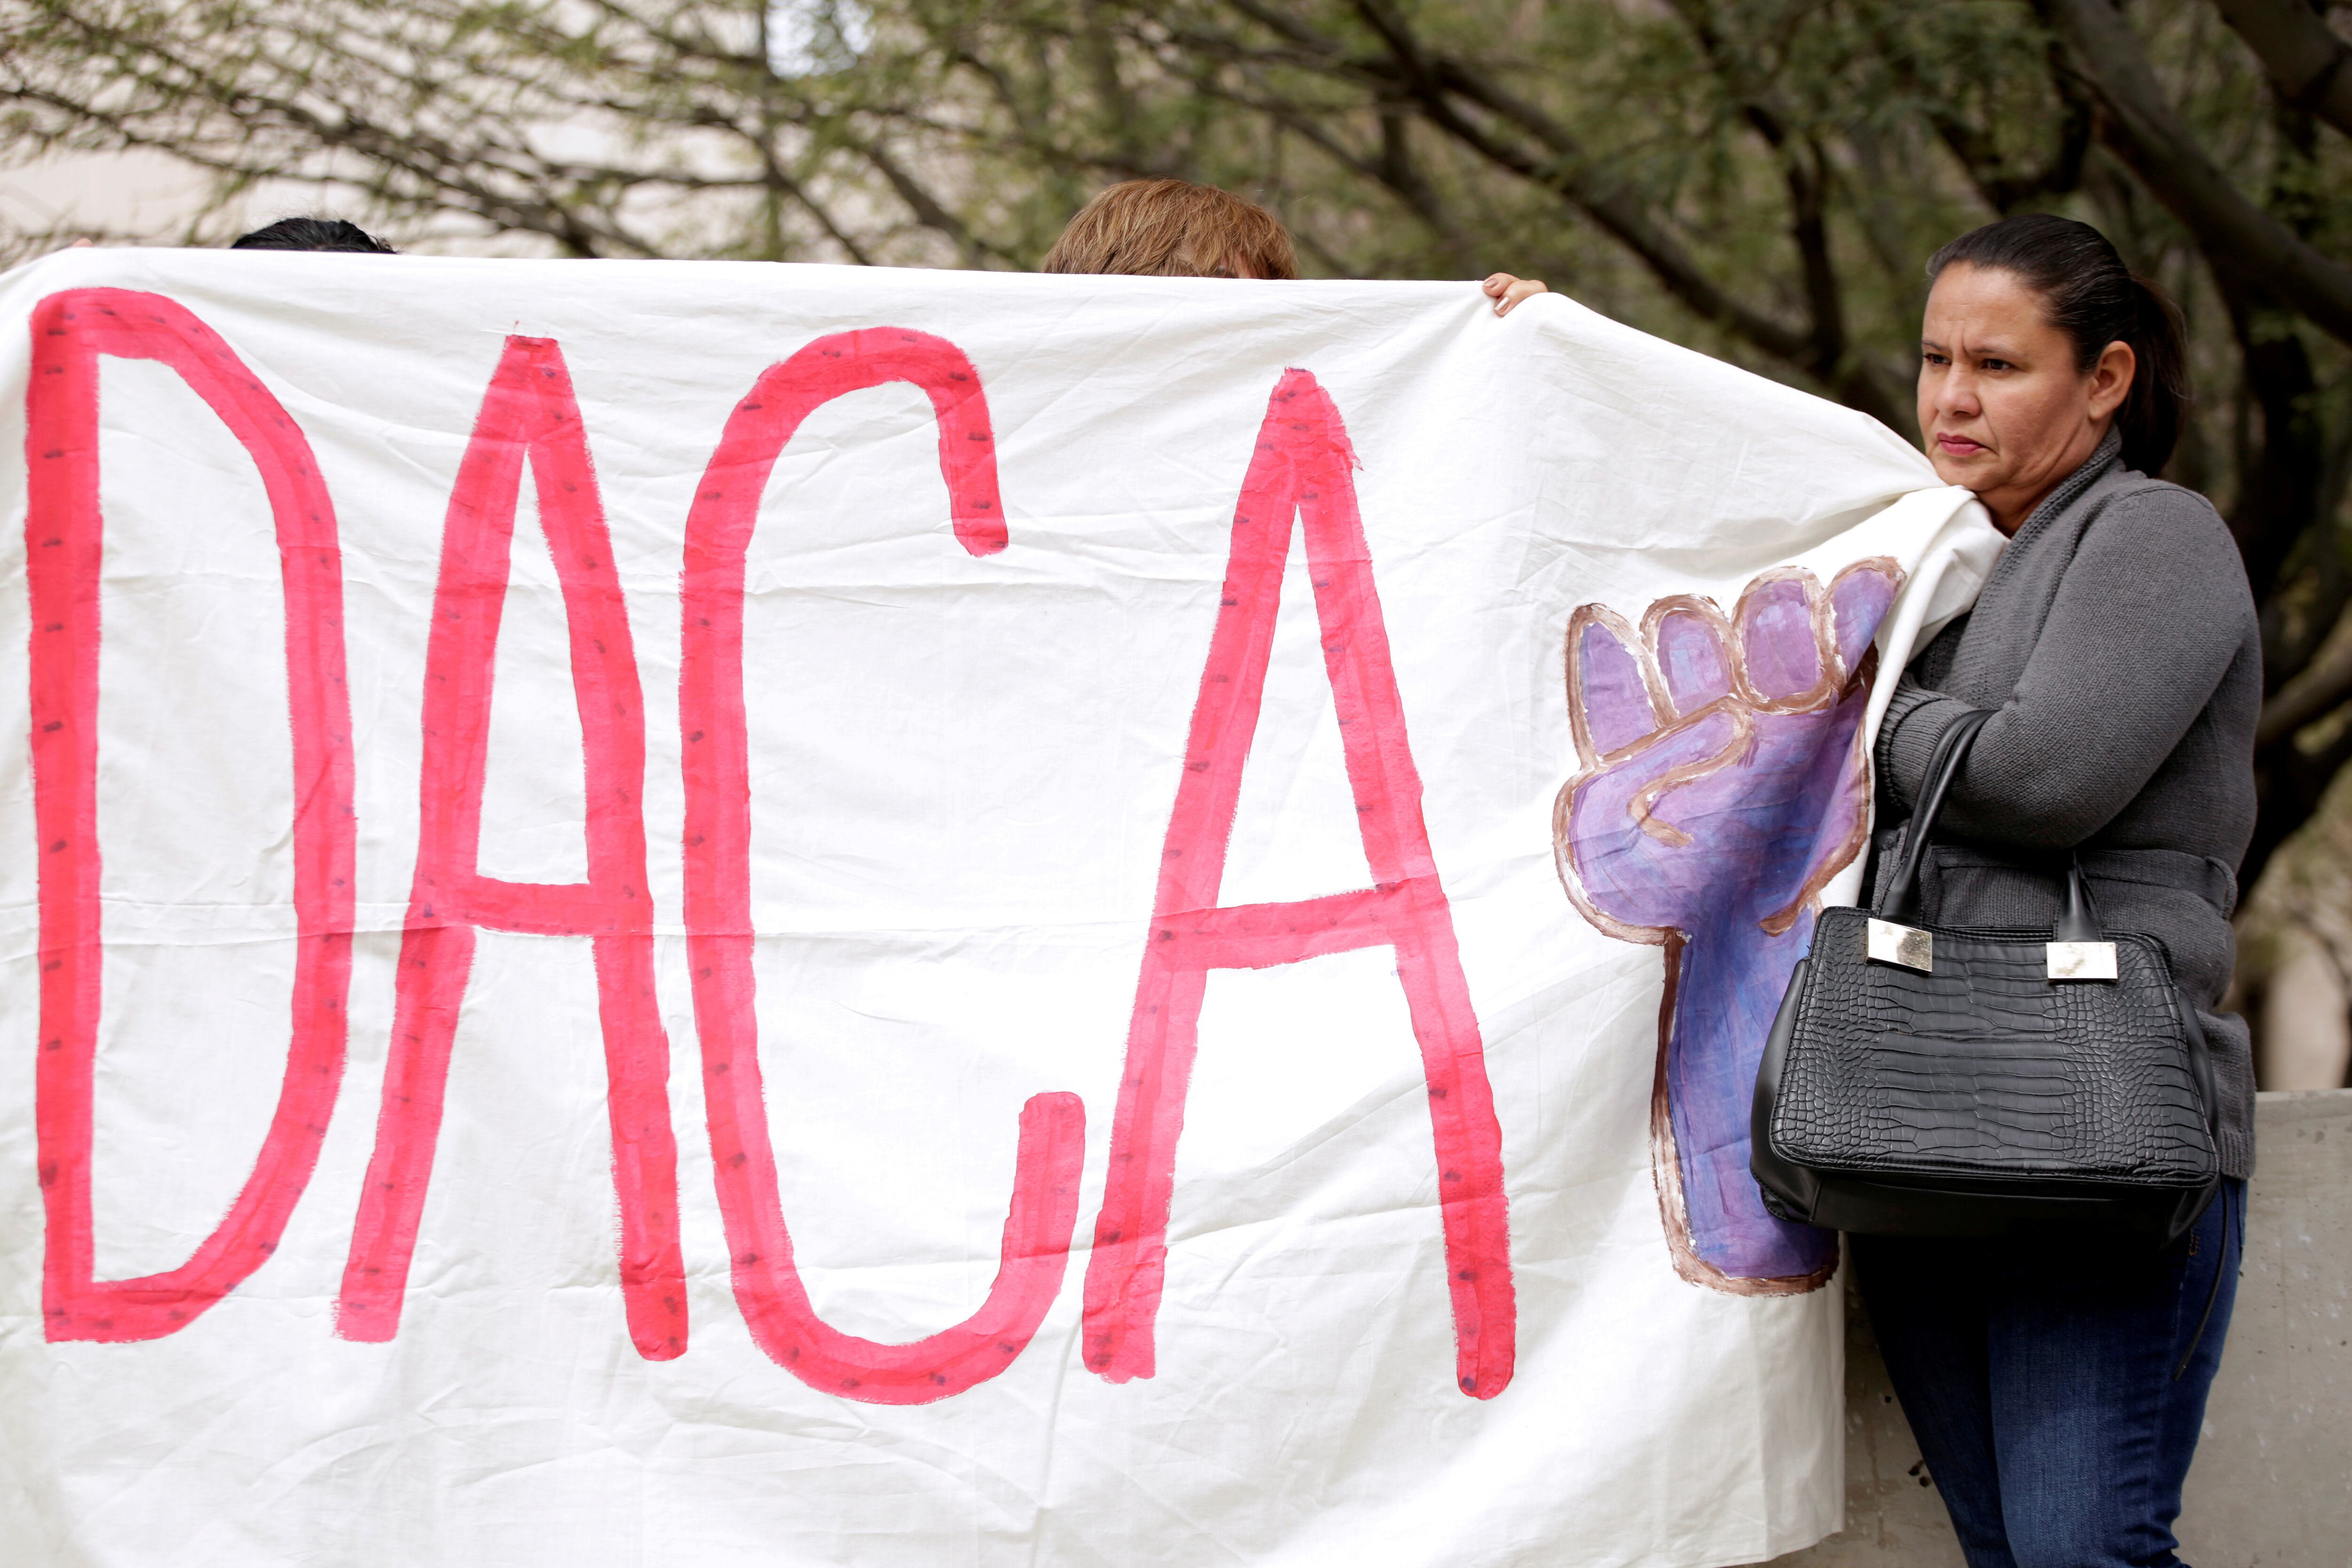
(1927, 1081)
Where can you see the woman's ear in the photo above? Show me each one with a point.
(2111, 378)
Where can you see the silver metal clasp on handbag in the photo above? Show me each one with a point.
(1906, 945)
(2082, 960)
(2079, 949)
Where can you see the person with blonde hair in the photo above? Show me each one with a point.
(1173, 228)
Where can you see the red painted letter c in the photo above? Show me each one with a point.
(1037, 1240)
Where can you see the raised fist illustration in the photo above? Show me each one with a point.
(1722, 785)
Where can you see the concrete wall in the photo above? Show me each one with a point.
(2273, 1483)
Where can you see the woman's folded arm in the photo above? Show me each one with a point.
(2144, 624)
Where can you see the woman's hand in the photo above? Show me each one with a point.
(1507, 290)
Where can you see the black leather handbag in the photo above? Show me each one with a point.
(1928, 1081)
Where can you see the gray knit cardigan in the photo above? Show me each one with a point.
(2116, 647)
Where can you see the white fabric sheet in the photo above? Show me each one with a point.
(941, 857)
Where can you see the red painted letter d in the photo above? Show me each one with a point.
(63, 534)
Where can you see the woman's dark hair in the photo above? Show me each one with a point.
(312, 234)
(2093, 298)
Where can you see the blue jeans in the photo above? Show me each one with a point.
(2056, 1388)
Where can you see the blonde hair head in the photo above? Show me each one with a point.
(1173, 228)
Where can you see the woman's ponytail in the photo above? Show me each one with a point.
(2095, 299)
(2149, 421)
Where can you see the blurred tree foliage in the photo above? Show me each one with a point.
(1759, 178)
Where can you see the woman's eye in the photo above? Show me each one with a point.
(1932, 357)
(1998, 365)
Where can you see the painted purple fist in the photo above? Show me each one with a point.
(1722, 785)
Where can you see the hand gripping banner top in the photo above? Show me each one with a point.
(725, 914)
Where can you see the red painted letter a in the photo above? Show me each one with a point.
(1302, 469)
(530, 410)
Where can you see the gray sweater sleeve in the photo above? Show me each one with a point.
(2145, 623)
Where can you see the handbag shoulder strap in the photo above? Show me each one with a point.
(1943, 766)
(2078, 917)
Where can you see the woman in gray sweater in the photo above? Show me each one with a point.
(2056, 1388)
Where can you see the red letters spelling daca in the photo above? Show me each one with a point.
(1302, 469)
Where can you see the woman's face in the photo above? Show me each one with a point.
(2002, 406)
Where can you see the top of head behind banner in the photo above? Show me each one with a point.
(700, 912)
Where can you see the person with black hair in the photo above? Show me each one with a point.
(2056, 1385)
(312, 234)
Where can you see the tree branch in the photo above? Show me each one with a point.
(2143, 129)
(2307, 60)
(2005, 192)
(2318, 690)
(926, 208)
(2282, 465)
(1434, 85)
(1804, 171)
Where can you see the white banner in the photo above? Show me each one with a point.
(719, 915)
